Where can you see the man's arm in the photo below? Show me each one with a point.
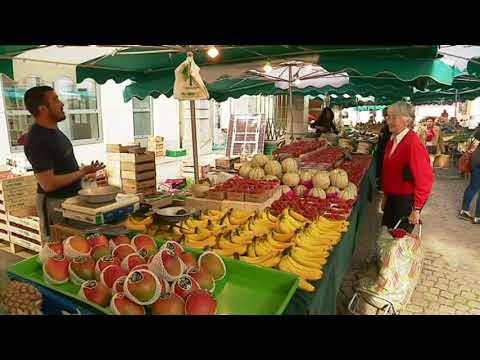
(51, 182)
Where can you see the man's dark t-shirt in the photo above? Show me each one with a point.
(48, 149)
(476, 153)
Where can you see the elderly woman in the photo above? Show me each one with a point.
(407, 175)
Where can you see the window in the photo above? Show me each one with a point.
(82, 123)
(142, 117)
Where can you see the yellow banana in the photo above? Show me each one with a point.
(271, 262)
(260, 249)
(314, 264)
(297, 224)
(134, 227)
(185, 229)
(314, 249)
(242, 249)
(308, 255)
(239, 213)
(298, 217)
(200, 235)
(305, 285)
(285, 226)
(152, 230)
(196, 223)
(251, 250)
(305, 272)
(237, 220)
(271, 217)
(258, 228)
(241, 238)
(277, 244)
(281, 236)
(269, 246)
(300, 267)
(285, 265)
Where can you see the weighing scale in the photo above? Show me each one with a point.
(76, 209)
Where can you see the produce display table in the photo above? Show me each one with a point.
(323, 300)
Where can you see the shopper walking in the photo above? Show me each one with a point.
(407, 175)
(474, 186)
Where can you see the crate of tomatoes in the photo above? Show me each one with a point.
(250, 190)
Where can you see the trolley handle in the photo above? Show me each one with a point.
(420, 225)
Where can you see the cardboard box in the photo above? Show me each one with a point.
(119, 148)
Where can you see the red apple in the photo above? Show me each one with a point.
(131, 261)
(203, 277)
(50, 249)
(188, 260)
(173, 246)
(168, 304)
(213, 263)
(143, 241)
(142, 287)
(99, 251)
(121, 305)
(97, 240)
(121, 251)
(110, 274)
(103, 262)
(95, 292)
(171, 263)
(76, 246)
(185, 285)
(118, 285)
(118, 240)
(55, 269)
(81, 269)
(200, 302)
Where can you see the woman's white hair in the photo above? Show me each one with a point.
(404, 109)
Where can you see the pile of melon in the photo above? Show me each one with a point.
(316, 183)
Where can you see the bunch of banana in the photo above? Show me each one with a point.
(240, 217)
(171, 233)
(269, 260)
(228, 226)
(227, 247)
(214, 215)
(267, 219)
(288, 224)
(134, 224)
(200, 244)
(315, 245)
(241, 237)
(259, 226)
(191, 222)
(288, 264)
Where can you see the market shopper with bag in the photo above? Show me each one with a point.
(407, 175)
(473, 157)
(51, 155)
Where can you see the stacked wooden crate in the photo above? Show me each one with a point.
(156, 144)
(138, 173)
(112, 168)
(18, 224)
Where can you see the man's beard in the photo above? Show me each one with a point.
(61, 118)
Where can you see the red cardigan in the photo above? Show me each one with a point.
(412, 153)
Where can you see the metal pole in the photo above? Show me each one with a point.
(456, 100)
(194, 141)
(291, 98)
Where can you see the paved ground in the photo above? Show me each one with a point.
(450, 280)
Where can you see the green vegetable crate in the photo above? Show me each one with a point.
(245, 290)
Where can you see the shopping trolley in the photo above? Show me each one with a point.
(381, 305)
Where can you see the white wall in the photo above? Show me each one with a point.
(117, 124)
(423, 111)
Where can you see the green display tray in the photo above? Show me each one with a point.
(176, 153)
(245, 290)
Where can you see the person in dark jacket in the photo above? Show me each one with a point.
(324, 123)
(474, 186)
(407, 175)
(383, 139)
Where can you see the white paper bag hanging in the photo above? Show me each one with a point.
(188, 83)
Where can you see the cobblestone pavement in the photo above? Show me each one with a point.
(450, 280)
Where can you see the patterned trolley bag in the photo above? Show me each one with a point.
(399, 265)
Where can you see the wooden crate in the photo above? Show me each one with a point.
(32, 222)
(235, 196)
(257, 198)
(60, 232)
(216, 195)
(138, 176)
(119, 148)
(208, 204)
(131, 166)
(138, 158)
(4, 225)
(227, 163)
(25, 242)
(133, 187)
(33, 235)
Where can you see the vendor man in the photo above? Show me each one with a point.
(51, 155)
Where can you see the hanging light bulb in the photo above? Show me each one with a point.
(268, 67)
(212, 52)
